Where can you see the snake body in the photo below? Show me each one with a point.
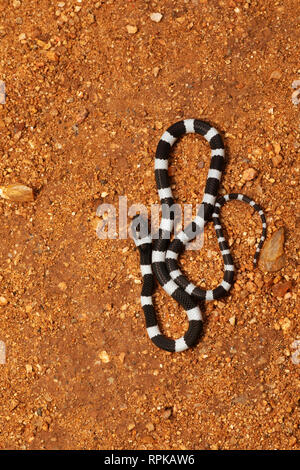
(159, 257)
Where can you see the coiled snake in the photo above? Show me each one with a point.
(159, 257)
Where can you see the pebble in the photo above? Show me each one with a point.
(249, 174)
(232, 320)
(52, 56)
(104, 357)
(155, 71)
(150, 427)
(180, 19)
(122, 357)
(276, 160)
(131, 29)
(276, 75)
(296, 93)
(91, 18)
(82, 115)
(156, 17)
(17, 193)
(3, 300)
(280, 289)
(295, 358)
(167, 413)
(272, 257)
(277, 148)
(62, 286)
(285, 324)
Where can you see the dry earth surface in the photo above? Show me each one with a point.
(90, 87)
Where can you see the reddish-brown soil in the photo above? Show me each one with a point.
(86, 105)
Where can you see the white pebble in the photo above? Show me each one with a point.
(156, 17)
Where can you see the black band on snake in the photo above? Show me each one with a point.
(159, 257)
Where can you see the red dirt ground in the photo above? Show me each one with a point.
(80, 372)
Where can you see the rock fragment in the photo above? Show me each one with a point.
(3, 300)
(82, 115)
(272, 257)
(17, 193)
(167, 413)
(156, 17)
(249, 174)
(104, 357)
(276, 75)
(131, 29)
(280, 289)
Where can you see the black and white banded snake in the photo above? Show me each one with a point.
(159, 257)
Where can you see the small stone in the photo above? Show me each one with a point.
(13, 405)
(295, 358)
(276, 75)
(156, 17)
(276, 160)
(122, 357)
(150, 427)
(280, 289)
(82, 115)
(17, 193)
(167, 413)
(104, 357)
(131, 29)
(22, 36)
(28, 368)
(147, 440)
(3, 300)
(277, 148)
(91, 18)
(251, 287)
(47, 397)
(16, 3)
(62, 286)
(249, 174)
(158, 125)
(155, 71)
(272, 257)
(131, 426)
(52, 56)
(180, 19)
(296, 93)
(285, 324)
(104, 194)
(232, 320)
(17, 136)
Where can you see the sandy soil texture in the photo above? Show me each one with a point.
(90, 87)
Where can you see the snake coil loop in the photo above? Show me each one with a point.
(159, 257)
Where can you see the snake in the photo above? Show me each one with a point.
(159, 255)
